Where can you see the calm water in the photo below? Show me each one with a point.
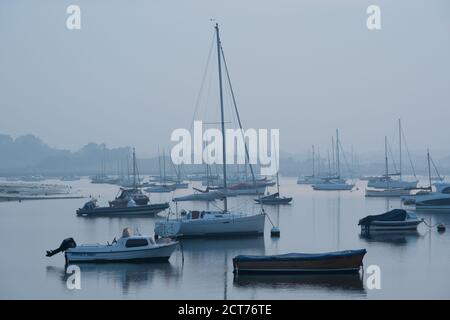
(412, 266)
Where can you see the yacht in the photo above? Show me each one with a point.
(214, 223)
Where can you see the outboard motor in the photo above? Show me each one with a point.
(65, 244)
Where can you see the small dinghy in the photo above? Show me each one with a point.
(394, 220)
(349, 261)
(126, 249)
(273, 199)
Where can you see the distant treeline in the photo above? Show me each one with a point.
(29, 155)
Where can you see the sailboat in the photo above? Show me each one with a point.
(214, 223)
(275, 197)
(389, 191)
(163, 187)
(334, 183)
(437, 200)
(386, 181)
(313, 178)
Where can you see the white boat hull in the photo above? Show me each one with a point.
(229, 224)
(87, 254)
(395, 184)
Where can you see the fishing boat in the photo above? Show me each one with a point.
(394, 220)
(215, 223)
(348, 261)
(334, 183)
(130, 247)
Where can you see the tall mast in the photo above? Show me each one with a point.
(134, 168)
(400, 145)
(159, 165)
(224, 156)
(386, 165)
(332, 155)
(164, 164)
(337, 155)
(313, 161)
(429, 168)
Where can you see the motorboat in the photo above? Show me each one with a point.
(91, 209)
(210, 224)
(438, 200)
(348, 261)
(130, 247)
(394, 220)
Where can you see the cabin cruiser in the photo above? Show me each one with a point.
(394, 220)
(121, 201)
(438, 200)
(129, 247)
(210, 223)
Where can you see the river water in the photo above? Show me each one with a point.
(411, 265)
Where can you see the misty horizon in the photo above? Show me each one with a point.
(130, 77)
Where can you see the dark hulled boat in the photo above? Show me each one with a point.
(349, 261)
(149, 209)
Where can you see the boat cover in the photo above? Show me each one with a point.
(393, 215)
(301, 256)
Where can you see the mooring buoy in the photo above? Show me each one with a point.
(275, 232)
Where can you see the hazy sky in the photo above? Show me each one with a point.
(132, 73)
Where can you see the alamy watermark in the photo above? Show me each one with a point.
(206, 147)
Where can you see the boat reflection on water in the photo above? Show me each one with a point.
(219, 245)
(400, 238)
(347, 282)
(130, 276)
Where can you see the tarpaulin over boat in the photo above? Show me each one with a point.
(301, 256)
(393, 215)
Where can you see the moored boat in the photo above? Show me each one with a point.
(130, 247)
(348, 261)
(274, 199)
(91, 209)
(394, 220)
